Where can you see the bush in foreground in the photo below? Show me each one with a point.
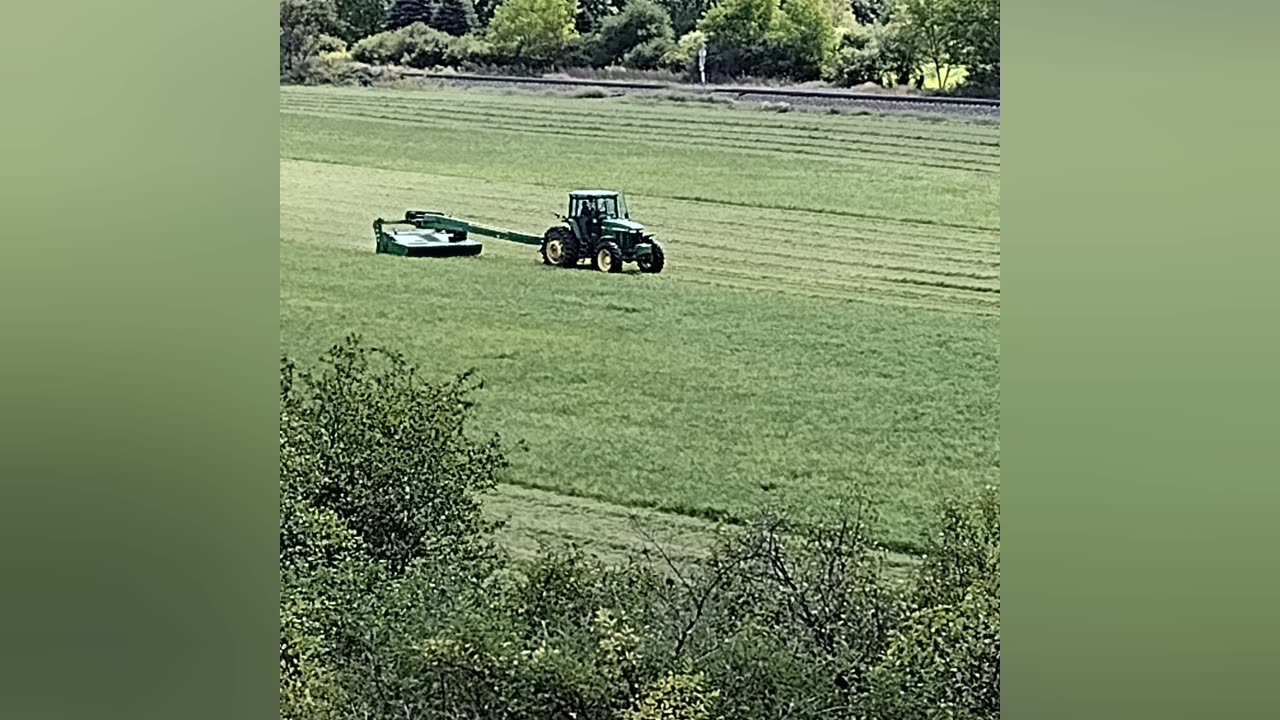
(395, 602)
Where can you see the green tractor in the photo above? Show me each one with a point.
(598, 229)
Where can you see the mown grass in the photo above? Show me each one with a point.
(824, 324)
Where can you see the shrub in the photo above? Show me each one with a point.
(946, 658)
(384, 48)
(384, 455)
(682, 57)
(648, 55)
(469, 51)
(327, 44)
(415, 45)
(395, 604)
(676, 697)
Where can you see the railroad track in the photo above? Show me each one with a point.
(969, 107)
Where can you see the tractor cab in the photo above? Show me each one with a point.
(597, 205)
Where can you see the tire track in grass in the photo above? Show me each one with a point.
(842, 261)
(869, 286)
(846, 237)
(971, 240)
(838, 213)
(886, 299)
(804, 273)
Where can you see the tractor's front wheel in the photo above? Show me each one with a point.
(609, 257)
(555, 244)
(654, 261)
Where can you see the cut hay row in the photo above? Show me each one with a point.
(986, 148)
(828, 147)
(818, 264)
(630, 107)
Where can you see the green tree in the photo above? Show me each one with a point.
(764, 37)
(641, 24)
(593, 12)
(455, 17)
(870, 12)
(404, 13)
(976, 28)
(303, 23)
(484, 10)
(533, 31)
(805, 39)
(738, 34)
(685, 14)
(361, 18)
(933, 30)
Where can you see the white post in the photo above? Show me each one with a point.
(702, 63)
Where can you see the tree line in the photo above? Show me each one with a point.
(397, 603)
(956, 43)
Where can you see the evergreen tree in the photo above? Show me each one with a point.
(456, 17)
(408, 12)
(484, 10)
(361, 18)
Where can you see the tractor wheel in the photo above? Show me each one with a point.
(555, 243)
(609, 257)
(654, 261)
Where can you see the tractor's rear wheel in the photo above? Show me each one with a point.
(555, 244)
(609, 257)
(654, 261)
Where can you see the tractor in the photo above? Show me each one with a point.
(599, 229)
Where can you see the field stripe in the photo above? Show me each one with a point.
(889, 219)
(722, 127)
(862, 156)
(654, 108)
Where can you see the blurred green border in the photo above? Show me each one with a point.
(139, 285)
(1139, 361)
(139, 301)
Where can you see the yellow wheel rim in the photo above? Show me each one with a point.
(554, 251)
(604, 260)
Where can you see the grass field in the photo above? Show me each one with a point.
(828, 318)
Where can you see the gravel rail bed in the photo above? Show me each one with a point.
(957, 108)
